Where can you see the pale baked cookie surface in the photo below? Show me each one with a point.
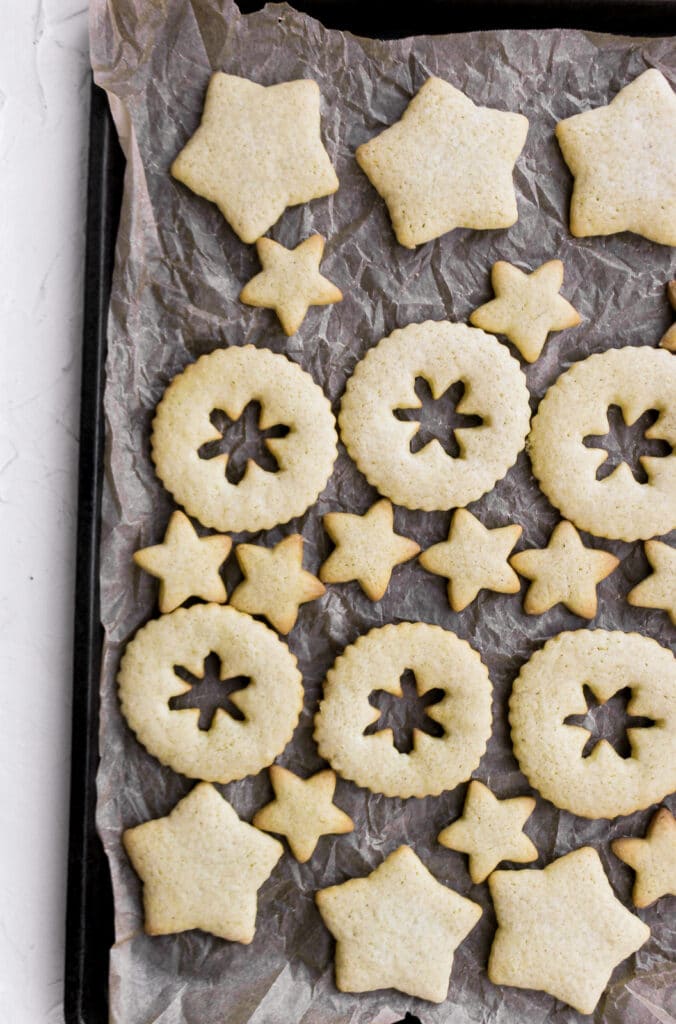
(290, 281)
(446, 164)
(561, 930)
(383, 384)
(550, 688)
(275, 583)
(257, 150)
(659, 589)
(377, 661)
(575, 408)
(397, 928)
(230, 748)
(652, 858)
(201, 867)
(228, 380)
(623, 157)
(526, 307)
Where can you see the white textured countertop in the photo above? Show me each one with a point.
(44, 100)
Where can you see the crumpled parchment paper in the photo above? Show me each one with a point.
(179, 270)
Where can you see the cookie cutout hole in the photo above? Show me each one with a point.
(209, 692)
(608, 721)
(406, 713)
(438, 418)
(242, 440)
(627, 443)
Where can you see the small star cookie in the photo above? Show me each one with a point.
(446, 164)
(397, 928)
(561, 930)
(257, 150)
(526, 307)
(490, 830)
(367, 548)
(303, 810)
(201, 867)
(473, 558)
(290, 281)
(564, 572)
(659, 589)
(186, 564)
(653, 859)
(623, 158)
(275, 583)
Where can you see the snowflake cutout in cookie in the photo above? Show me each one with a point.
(438, 417)
(243, 441)
(209, 692)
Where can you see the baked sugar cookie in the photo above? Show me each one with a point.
(383, 384)
(257, 150)
(659, 589)
(652, 858)
(275, 583)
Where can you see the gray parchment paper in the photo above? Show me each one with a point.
(179, 271)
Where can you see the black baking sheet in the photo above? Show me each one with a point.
(89, 924)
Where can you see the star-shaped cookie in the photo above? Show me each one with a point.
(526, 307)
(275, 583)
(561, 930)
(564, 572)
(257, 150)
(623, 157)
(653, 859)
(187, 565)
(303, 810)
(397, 928)
(201, 867)
(367, 548)
(490, 830)
(473, 558)
(446, 164)
(659, 589)
(290, 281)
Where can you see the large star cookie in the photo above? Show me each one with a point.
(623, 157)
(446, 164)
(473, 558)
(490, 830)
(187, 565)
(653, 859)
(303, 810)
(561, 930)
(659, 589)
(257, 151)
(290, 281)
(367, 548)
(275, 583)
(526, 307)
(201, 867)
(397, 928)
(564, 572)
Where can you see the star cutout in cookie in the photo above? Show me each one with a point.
(473, 558)
(561, 930)
(290, 281)
(565, 572)
(187, 565)
(490, 830)
(623, 157)
(275, 583)
(526, 307)
(397, 928)
(659, 589)
(303, 810)
(257, 150)
(653, 859)
(446, 164)
(201, 867)
(367, 548)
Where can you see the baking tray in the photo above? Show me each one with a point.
(89, 920)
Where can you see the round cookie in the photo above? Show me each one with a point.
(377, 660)
(550, 688)
(229, 379)
(576, 406)
(384, 381)
(271, 703)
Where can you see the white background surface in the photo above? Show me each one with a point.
(44, 100)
